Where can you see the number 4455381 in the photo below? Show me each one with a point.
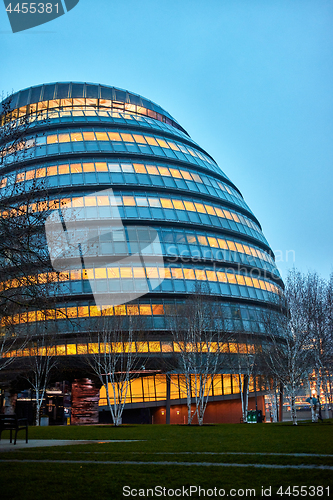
(304, 491)
(33, 8)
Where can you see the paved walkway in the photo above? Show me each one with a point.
(5, 445)
(186, 464)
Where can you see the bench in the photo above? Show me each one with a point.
(12, 423)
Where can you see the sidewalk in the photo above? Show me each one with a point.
(5, 445)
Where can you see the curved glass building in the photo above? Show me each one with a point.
(94, 147)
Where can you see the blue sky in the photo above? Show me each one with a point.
(250, 80)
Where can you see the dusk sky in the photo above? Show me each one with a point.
(250, 80)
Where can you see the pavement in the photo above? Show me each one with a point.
(5, 445)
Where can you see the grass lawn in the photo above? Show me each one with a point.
(85, 472)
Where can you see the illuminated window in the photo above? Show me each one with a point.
(89, 136)
(139, 168)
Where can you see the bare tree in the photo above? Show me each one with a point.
(199, 333)
(39, 365)
(289, 349)
(115, 359)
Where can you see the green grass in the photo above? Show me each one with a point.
(172, 444)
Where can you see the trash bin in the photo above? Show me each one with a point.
(251, 417)
(259, 416)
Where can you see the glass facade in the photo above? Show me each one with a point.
(86, 138)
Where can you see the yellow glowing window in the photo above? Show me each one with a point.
(175, 173)
(222, 277)
(94, 311)
(30, 174)
(102, 136)
(139, 139)
(191, 239)
(232, 246)
(253, 251)
(189, 206)
(61, 350)
(219, 212)
(202, 240)
(82, 348)
(255, 283)
(133, 310)
(77, 202)
(52, 170)
(139, 168)
(101, 167)
(107, 311)
(154, 347)
(235, 217)
(152, 272)
(103, 201)
(164, 171)
(88, 167)
(227, 214)
(20, 177)
(239, 247)
(113, 272)
(240, 280)
(52, 139)
(126, 272)
(178, 204)
(89, 136)
(71, 312)
(200, 208)
(167, 273)
(211, 276)
(61, 313)
(136, 389)
(64, 276)
(163, 144)
(158, 309)
(40, 172)
(200, 274)
(93, 348)
(151, 141)
(210, 209)
(173, 146)
(213, 242)
(262, 285)
(76, 168)
(76, 275)
(247, 250)
(100, 273)
(248, 281)
(232, 278)
(226, 384)
(186, 175)
(189, 274)
(64, 138)
(120, 310)
(129, 201)
(114, 136)
(76, 137)
(90, 201)
(142, 346)
(83, 311)
(63, 169)
(152, 170)
(145, 310)
(166, 203)
(127, 137)
(3, 182)
(139, 272)
(31, 316)
(177, 273)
